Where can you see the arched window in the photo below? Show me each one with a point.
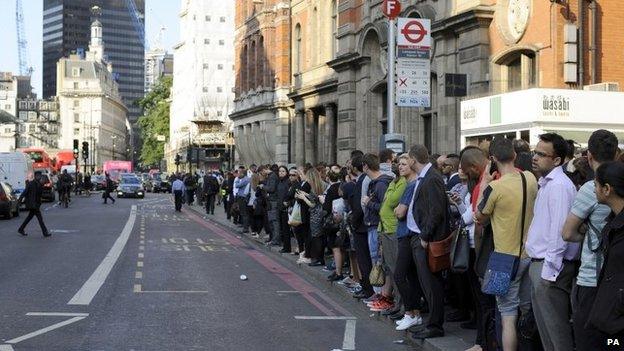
(244, 67)
(261, 61)
(315, 47)
(297, 49)
(252, 66)
(334, 29)
(516, 70)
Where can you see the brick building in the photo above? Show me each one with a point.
(262, 109)
(569, 52)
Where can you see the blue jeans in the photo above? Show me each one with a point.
(373, 244)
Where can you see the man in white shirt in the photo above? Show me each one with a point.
(178, 190)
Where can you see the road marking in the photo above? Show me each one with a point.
(138, 275)
(57, 314)
(137, 288)
(141, 255)
(325, 317)
(63, 231)
(142, 242)
(288, 292)
(47, 329)
(90, 288)
(348, 342)
(141, 248)
(9, 347)
(140, 264)
(175, 292)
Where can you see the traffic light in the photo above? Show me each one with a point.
(85, 150)
(75, 149)
(177, 159)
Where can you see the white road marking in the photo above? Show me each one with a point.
(175, 292)
(46, 329)
(57, 314)
(325, 317)
(7, 347)
(141, 255)
(348, 342)
(141, 248)
(137, 288)
(90, 288)
(63, 231)
(140, 264)
(138, 275)
(288, 292)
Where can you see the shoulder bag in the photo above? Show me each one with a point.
(460, 252)
(502, 268)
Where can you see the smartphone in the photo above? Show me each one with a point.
(493, 168)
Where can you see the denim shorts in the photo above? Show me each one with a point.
(519, 293)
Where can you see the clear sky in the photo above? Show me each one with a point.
(157, 13)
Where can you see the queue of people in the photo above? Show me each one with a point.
(521, 245)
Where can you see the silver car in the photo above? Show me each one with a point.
(130, 186)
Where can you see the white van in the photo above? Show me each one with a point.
(15, 169)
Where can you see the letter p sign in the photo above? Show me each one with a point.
(613, 342)
(391, 8)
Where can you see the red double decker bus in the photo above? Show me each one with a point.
(41, 159)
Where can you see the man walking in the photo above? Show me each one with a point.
(552, 267)
(108, 187)
(210, 188)
(32, 195)
(178, 189)
(427, 219)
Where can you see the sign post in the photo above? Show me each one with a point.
(413, 62)
(396, 142)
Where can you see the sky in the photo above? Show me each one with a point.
(157, 13)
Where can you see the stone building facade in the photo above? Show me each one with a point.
(262, 110)
(337, 100)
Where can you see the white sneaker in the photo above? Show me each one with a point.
(409, 321)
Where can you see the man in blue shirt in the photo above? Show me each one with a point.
(178, 190)
(241, 191)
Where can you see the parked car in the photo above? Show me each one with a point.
(161, 183)
(9, 206)
(48, 188)
(130, 186)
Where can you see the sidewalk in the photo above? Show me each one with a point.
(455, 339)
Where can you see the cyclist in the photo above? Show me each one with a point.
(87, 185)
(64, 186)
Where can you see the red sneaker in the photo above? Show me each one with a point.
(382, 305)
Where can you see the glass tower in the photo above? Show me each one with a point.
(66, 30)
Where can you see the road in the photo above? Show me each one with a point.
(138, 276)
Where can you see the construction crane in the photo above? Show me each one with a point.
(136, 20)
(22, 43)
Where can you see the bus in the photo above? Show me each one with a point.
(64, 158)
(114, 168)
(41, 159)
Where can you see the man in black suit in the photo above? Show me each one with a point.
(428, 221)
(360, 236)
(32, 196)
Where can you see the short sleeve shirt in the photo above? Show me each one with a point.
(502, 201)
(402, 230)
(586, 206)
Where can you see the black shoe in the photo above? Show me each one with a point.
(396, 316)
(284, 251)
(47, 234)
(362, 295)
(470, 325)
(428, 333)
(22, 232)
(335, 277)
(457, 316)
(316, 264)
(272, 243)
(390, 312)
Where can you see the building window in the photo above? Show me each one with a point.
(219, 113)
(207, 41)
(76, 103)
(75, 85)
(207, 18)
(31, 128)
(219, 90)
(297, 58)
(205, 66)
(222, 19)
(219, 66)
(221, 42)
(7, 107)
(205, 89)
(76, 131)
(76, 117)
(517, 70)
(75, 72)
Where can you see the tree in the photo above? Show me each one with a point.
(155, 121)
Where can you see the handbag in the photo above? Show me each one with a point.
(439, 254)
(377, 276)
(460, 251)
(294, 218)
(502, 268)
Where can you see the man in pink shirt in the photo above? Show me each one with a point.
(552, 268)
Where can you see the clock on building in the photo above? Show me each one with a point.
(512, 17)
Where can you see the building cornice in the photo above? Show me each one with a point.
(327, 86)
(480, 16)
(348, 61)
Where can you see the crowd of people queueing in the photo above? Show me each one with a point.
(525, 246)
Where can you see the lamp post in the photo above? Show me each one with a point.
(114, 137)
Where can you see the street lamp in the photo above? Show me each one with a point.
(114, 137)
